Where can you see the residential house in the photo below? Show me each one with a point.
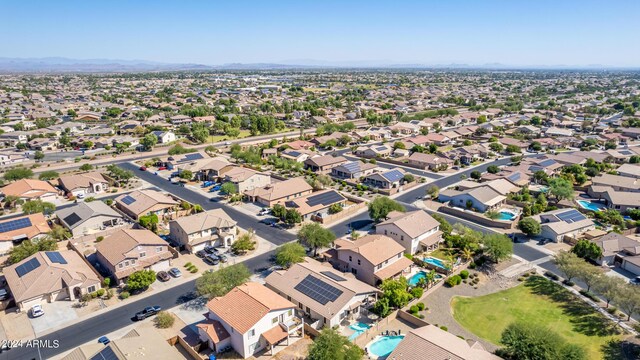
(316, 206)
(557, 224)
(615, 248)
(88, 217)
(429, 161)
(387, 179)
(432, 343)
(280, 192)
(438, 139)
(482, 198)
(615, 182)
(84, 184)
(324, 164)
(144, 202)
(126, 251)
(415, 230)
(15, 230)
(31, 189)
(373, 151)
(372, 258)
(620, 200)
(210, 228)
(353, 170)
(211, 169)
(297, 155)
(325, 295)
(249, 318)
(178, 120)
(14, 138)
(298, 145)
(164, 137)
(246, 179)
(49, 276)
(629, 170)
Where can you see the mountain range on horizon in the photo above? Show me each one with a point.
(62, 64)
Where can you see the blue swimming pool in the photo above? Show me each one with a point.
(415, 279)
(358, 329)
(506, 215)
(591, 205)
(435, 261)
(384, 345)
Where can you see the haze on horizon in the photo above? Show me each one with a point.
(514, 33)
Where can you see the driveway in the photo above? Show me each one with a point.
(55, 314)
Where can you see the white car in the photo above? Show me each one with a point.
(36, 311)
(228, 143)
(80, 196)
(265, 211)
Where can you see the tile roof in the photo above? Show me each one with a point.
(211, 219)
(39, 226)
(145, 200)
(281, 189)
(375, 248)
(114, 247)
(84, 180)
(414, 223)
(28, 188)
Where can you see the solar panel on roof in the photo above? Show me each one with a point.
(15, 225)
(293, 153)
(105, 354)
(191, 157)
(571, 216)
(55, 257)
(393, 175)
(514, 177)
(71, 219)
(625, 152)
(547, 162)
(381, 148)
(332, 276)
(318, 290)
(352, 167)
(27, 267)
(128, 200)
(327, 198)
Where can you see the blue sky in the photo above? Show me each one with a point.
(512, 32)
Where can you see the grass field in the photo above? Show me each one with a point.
(538, 301)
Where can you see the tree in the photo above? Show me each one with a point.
(29, 247)
(497, 247)
(529, 226)
(315, 236)
(445, 227)
(86, 167)
(629, 300)
(493, 169)
(590, 275)
(381, 206)
(569, 263)
(140, 280)
(561, 189)
(335, 208)
(496, 147)
(228, 188)
(587, 249)
(290, 253)
(164, 320)
(38, 206)
(330, 345)
(536, 342)
(119, 173)
(433, 191)
(395, 290)
(609, 287)
(219, 283)
(244, 243)
(18, 174)
(149, 221)
(293, 217)
(407, 178)
(512, 149)
(200, 135)
(279, 211)
(39, 155)
(48, 175)
(149, 141)
(476, 174)
(59, 233)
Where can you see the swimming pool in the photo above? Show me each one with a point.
(358, 329)
(415, 279)
(590, 205)
(506, 215)
(383, 345)
(435, 262)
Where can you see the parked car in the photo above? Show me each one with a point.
(265, 211)
(80, 196)
(162, 168)
(211, 250)
(175, 272)
(148, 311)
(208, 183)
(215, 188)
(104, 340)
(201, 254)
(223, 258)
(635, 281)
(211, 259)
(163, 276)
(4, 295)
(228, 143)
(143, 168)
(36, 311)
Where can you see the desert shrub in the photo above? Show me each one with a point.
(444, 328)
(414, 309)
(464, 274)
(164, 320)
(417, 292)
(100, 292)
(124, 295)
(420, 306)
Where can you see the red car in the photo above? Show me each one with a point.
(142, 168)
(162, 168)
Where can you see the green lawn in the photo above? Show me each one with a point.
(539, 301)
(243, 134)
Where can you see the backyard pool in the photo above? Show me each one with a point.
(358, 329)
(383, 345)
(591, 205)
(435, 262)
(506, 215)
(415, 279)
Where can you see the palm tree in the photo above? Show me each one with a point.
(430, 277)
(467, 254)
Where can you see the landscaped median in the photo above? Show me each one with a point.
(542, 302)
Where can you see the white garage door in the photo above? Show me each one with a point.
(198, 247)
(162, 265)
(631, 267)
(26, 305)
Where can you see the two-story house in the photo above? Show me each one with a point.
(246, 179)
(144, 202)
(249, 318)
(413, 230)
(371, 258)
(280, 192)
(209, 228)
(126, 251)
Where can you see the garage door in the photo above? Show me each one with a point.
(198, 247)
(26, 305)
(631, 267)
(162, 265)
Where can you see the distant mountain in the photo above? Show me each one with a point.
(60, 64)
